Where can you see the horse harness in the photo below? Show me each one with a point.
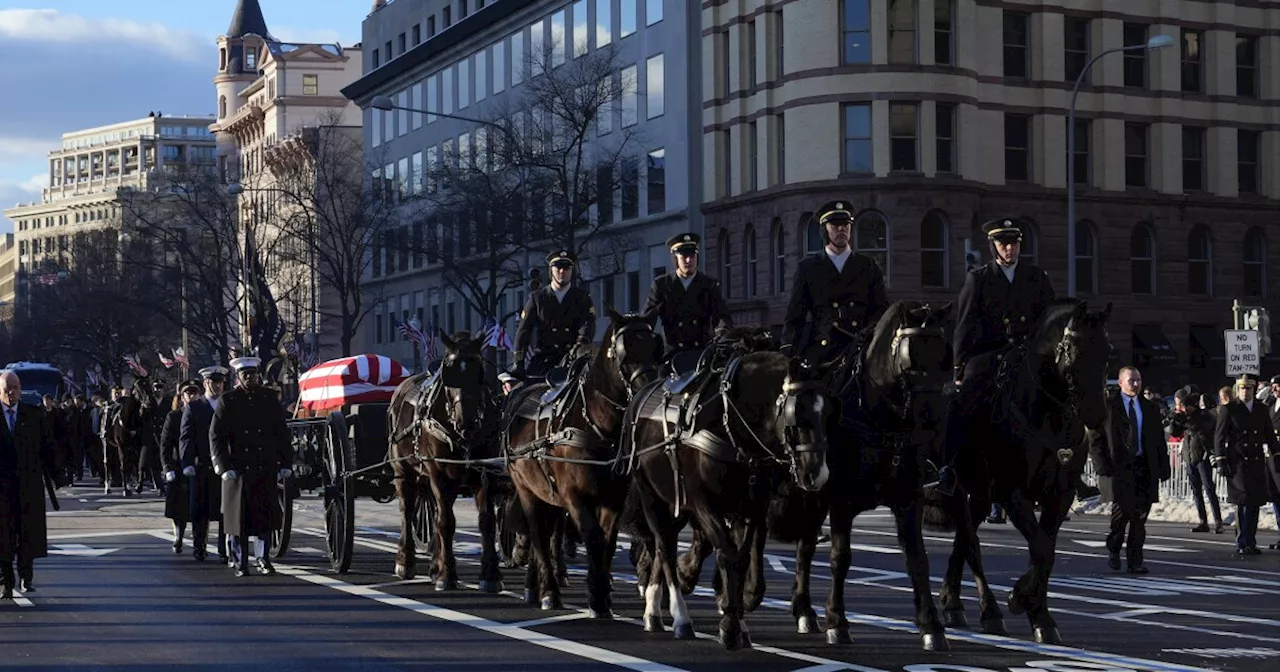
(423, 397)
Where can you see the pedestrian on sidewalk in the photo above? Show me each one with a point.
(1243, 430)
(1191, 423)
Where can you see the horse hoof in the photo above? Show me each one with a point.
(994, 626)
(1047, 635)
(1015, 604)
(403, 572)
(600, 615)
(807, 624)
(446, 584)
(683, 630)
(955, 618)
(549, 602)
(653, 624)
(839, 636)
(746, 639)
(490, 586)
(562, 581)
(530, 597)
(730, 642)
(935, 642)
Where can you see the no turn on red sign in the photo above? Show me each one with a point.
(1243, 355)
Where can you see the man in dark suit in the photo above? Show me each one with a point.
(689, 303)
(1132, 458)
(560, 315)
(28, 455)
(205, 490)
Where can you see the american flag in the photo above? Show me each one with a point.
(180, 356)
(168, 363)
(305, 356)
(135, 365)
(495, 335)
(424, 337)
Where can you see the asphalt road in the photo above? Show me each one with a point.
(115, 597)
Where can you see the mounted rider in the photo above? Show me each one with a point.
(836, 293)
(562, 316)
(689, 303)
(999, 306)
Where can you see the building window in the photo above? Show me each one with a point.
(781, 125)
(580, 29)
(871, 237)
(1142, 260)
(1075, 40)
(222, 109)
(1247, 143)
(1017, 38)
(812, 234)
(464, 83)
(726, 264)
(628, 10)
(403, 44)
(856, 28)
(446, 90)
(604, 193)
(726, 147)
(753, 155)
(558, 39)
(903, 129)
(630, 187)
(1135, 61)
(751, 53)
(310, 85)
(462, 9)
(1086, 258)
(933, 250)
(857, 138)
(446, 17)
(943, 37)
(604, 23)
(1192, 61)
(1080, 164)
(499, 60)
(1029, 242)
(944, 129)
(415, 101)
(782, 43)
(251, 58)
(1017, 147)
(722, 51)
(902, 31)
(630, 113)
(517, 58)
(657, 181)
(431, 27)
(482, 76)
(652, 12)
(417, 35)
(1135, 155)
(1246, 66)
(1199, 261)
(779, 257)
(1255, 263)
(1192, 158)
(655, 73)
(749, 286)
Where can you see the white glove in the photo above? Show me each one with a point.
(188, 471)
(283, 474)
(229, 475)
(170, 476)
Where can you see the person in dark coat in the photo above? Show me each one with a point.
(177, 496)
(559, 315)
(689, 303)
(1273, 461)
(252, 450)
(1132, 458)
(836, 293)
(1244, 429)
(28, 455)
(197, 464)
(1194, 425)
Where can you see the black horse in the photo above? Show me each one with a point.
(1024, 424)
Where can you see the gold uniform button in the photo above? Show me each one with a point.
(824, 342)
(1022, 319)
(855, 323)
(835, 304)
(680, 323)
(1006, 320)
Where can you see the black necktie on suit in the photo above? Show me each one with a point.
(1135, 438)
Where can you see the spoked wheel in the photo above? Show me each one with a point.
(506, 536)
(339, 495)
(280, 538)
(424, 526)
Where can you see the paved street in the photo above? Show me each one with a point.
(115, 597)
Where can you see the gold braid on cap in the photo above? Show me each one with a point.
(831, 213)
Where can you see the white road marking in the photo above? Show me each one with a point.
(92, 535)
(1092, 543)
(574, 616)
(1189, 540)
(20, 599)
(80, 550)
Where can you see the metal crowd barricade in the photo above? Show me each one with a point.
(1178, 486)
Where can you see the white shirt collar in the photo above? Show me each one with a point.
(1008, 270)
(839, 259)
(687, 281)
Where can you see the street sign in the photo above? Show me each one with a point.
(1243, 355)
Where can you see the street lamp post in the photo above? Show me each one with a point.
(1155, 42)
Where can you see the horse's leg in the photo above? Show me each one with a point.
(911, 542)
(841, 512)
(753, 597)
(490, 575)
(949, 594)
(801, 599)
(539, 580)
(558, 546)
(407, 490)
(691, 561)
(584, 518)
(608, 518)
(445, 490)
(992, 617)
(1052, 514)
(1027, 591)
(730, 561)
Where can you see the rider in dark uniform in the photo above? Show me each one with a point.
(689, 303)
(999, 305)
(837, 292)
(562, 315)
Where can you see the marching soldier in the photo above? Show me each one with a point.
(251, 450)
(999, 305)
(561, 314)
(205, 491)
(111, 467)
(177, 496)
(1243, 432)
(836, 292)
(689, 303)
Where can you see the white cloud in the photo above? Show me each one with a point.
(24, 150)
(307, 35)
(50, 26)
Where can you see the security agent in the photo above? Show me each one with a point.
(561, 315)
(836, 292)
(689, 304)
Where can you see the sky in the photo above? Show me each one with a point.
(67, 65)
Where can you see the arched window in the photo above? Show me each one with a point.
(1142, 260)
(1255, 263)
(1086, 258)
(222, 107)
(1030, 241)
(779, 257)
(933, 250)
(726, 264)
(749, 286)
(871, 237)
(812, 234)
(1199, 261)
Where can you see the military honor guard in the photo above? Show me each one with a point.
(555, 319)
(689, 304)
(196, 460)
(1241, 439)
(177, 493)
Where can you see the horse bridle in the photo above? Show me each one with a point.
(453, 395)
(911, 380)
(629, 378)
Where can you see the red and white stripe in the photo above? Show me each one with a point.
(350, 380)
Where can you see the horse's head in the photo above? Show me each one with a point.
(803, 412)
(909, 352)
(1079, 354)
(631, 348)
(466, 389)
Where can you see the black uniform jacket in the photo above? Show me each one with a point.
(994, 312)
(193, 434)
(689, 316)
(1239, 437)
(560, 324)
(249, 432)
(825, 301)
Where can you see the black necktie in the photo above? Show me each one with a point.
(1135, 439)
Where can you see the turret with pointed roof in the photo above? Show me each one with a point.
(248, 20)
